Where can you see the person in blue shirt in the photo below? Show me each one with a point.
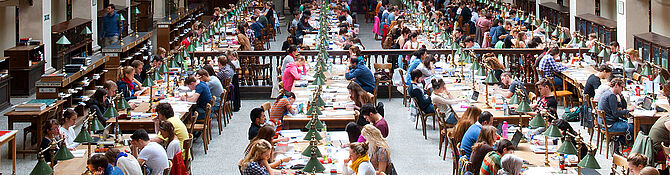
(472, 134)
(98, 164)
(202, 95)
(417, 56)
(614, 106)
(496, 32)
(256, 27)
(416, 91)
(470, 43)
(361, 74)
(110, 26)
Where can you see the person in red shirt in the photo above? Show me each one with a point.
(371, 115)
(187, 41)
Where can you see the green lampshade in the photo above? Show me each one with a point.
(646, 71)
(311, 149)
(122, 104)
(163, 69)
(42, 168)
(542, 26)
(86, 31)
(514, 99)
(582, 44)
(556, 32)
(63, 40)
(136, 11)
(314, 133)
(157, 76)
(537, 121)
(589, 161)
(491, 79)
(320, 102)
(549, 29)
(552, 131)
(191, 48)
(318, 81)
(180, 57)
(83, 136)
(148, 82)
(567, 148)
(110, 113)
(314, 109)
(475, 67)
(659, 79)
(174, 64)
(313, 166)
(562, 36)
(481, 72)
(121, 18)
(317, 124)
(574, 40)
(97, 125)
(518, 15)
(63, 154)
(534, 22)
(603, 53)
(594, 50)
(527, 18)
(628, 64)
(197, 44)
(211, 32)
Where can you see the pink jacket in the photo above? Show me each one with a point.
(375, 28)
(290, 75)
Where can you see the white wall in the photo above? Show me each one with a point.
(8, 32)
(632, 21)
(58, 11)
(578, 7)
(660, 13)
(608, 9)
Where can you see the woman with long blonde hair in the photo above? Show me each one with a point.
(469, 118)
(487, 137)
(378, 149)
(493, 63)
(256, 162)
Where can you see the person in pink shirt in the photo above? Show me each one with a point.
(302, 69)
(291, 73)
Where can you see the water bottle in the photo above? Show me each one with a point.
(506, 108)
(504, 130)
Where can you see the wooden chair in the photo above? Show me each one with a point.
(607, 135)
(444, 131)
(563, 94)
(587, 100)
(404, 87)
(203, 127)
(455, 153)
(266, 107)
(619, 161)
(423, 118)
(219, 113)
(188, 149)
(382, 68)
(32, 129)
(191, 127)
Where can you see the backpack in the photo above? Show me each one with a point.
(571, 116)
(380, 108)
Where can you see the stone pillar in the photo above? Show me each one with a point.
(578, 7)
(36, 23)
(88, 10)
(633, 20)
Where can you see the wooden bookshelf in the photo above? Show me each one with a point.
(653, 48)
(81, 43)
(144, 20)
(528, 6)
(603, 27)
(555, 14)
(73, 87)
(171, 31)
(25, 63)
(134, 47)
(5, 90)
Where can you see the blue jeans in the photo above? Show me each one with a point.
(201, 113)
(622, 126)
(451, 119)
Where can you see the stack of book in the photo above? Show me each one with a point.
(34, 105)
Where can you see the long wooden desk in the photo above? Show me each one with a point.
(10, 137)
(78, 165)
(36, 118)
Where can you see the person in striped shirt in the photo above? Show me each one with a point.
(281, 107)
(491, 163)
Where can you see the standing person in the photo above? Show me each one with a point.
(291, 73)
(484, 24)
(147, 152)
(257, 116)
(487, 137)
(361, 75)
(98, 164)
(371, 115)
(215, 87)
(614, 105)
(231, 63)
(110, 26)
(360, 161)
(379, 151)
(549, 66)
(67, 128)
(202, 95)
(126, 162)
(471, 135)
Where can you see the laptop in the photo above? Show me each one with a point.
(647, 103)
(516, 138)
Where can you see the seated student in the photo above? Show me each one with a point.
(226, 67)
(417, 56)
(202, 95)
(649, 171)
(125, 83)
(636, 162)
(172, 145)
(493, 63)
(139, 68)
(67, 128)
(51, 135)
(510, 165)
(281, 107)
(380, 154)
(256, 162)
(291, 53)
(426, 67)
(507, 79)
(156, 62)
(660, 133)
(471, 135)
(614, 106)
(370, 114)
(214, 85)
(492, 163)
(545, 100)
(592, 83)
(360, 161)
(470, 43)
(549, 66)
(487, 137)
(360, 97)
(291, 73)
(98, 103)
(353, 131)
(147, 152)
(257, 119)
(468, 119)
(98, 164)
(111, 89)
(416, 91)
(443, 100)
(267, 133)
(126, 162)
(165, 113)
(361, 74)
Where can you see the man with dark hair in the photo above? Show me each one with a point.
(257, 119)
(202, 95)
(416, 91)
(165, 113)
(499, 32)
(507, 79)
(611, 102)
(593, 82)
(215, 86)
(139, 67)
(110, 26)
(147, 152)
(472, 134)
(361, 74)
(470, 43)
(371, 115)
(98, 164)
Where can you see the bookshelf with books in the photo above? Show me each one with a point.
(653, 48)
(528, 6)
(74, 87)
(172, 30)
(145, 19)
(79, 41)
(26, 65)
(603, 27)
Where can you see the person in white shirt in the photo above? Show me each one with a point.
(601, 89)
(172, 145)
(360, 161)
(127, 163)
(150, 153)
(67, 128)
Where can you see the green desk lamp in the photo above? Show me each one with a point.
(41, 168)
(490, 79)
(552, 131)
